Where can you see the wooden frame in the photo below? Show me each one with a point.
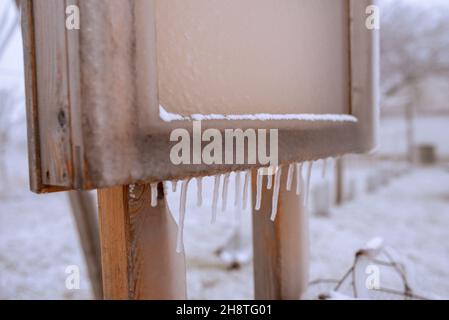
(84, 100)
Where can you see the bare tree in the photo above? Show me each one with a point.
(8, 25)
(414, 47)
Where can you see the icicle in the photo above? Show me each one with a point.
(154, 194)
(277, 185)
(270, 179)
(174, 185)
(199, 187)
(259, 189)
(324, 168)
(299, 180)
(291, 169)
(246, 188)
(131, 191)
(225, 192)
(238, 196)
(215, 198)
(307, 188)
(182, 213)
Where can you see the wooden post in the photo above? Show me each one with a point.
(138, 244)
(85, 214)
(281, 251)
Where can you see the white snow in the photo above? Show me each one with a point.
(170, 117)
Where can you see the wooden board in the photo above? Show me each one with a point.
(93, 109)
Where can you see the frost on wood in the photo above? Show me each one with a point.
(170, 117)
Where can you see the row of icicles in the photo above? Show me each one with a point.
(241, 200)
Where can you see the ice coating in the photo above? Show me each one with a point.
(131, 191)
(259, 189)
(223, 55)
(225, 192)
(238, 195)
(166, 116)
(215, 198)
(277, 186)
(270, 179)
(307, 187)
(154, 194)
(299, 179)
(246, 189)
(182, 213)
(291, 169)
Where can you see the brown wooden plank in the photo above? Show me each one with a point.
(139, 246)
(85, 213)
(34, 162)
(52, 92)
(280, 247)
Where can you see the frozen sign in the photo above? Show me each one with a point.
(129, 79)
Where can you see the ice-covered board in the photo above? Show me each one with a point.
(137, 70)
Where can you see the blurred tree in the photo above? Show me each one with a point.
(414, 47)
(8, 24)
(5, 124)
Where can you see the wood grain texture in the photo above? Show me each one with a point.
(139, 246)
(111, 94)
(34, 161)
(281, 248)
(85, 213)
(52, 93)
